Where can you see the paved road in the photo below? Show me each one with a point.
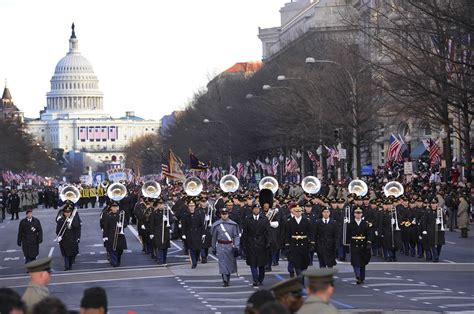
(409, 285)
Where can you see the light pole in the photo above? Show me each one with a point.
(207, 121)
(353, 83)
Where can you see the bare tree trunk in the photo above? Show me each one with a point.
(467, 143)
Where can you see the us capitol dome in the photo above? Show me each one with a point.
(74, 119)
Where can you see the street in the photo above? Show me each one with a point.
(140, 285)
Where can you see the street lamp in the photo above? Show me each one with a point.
(311, 60)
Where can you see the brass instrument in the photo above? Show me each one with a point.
(393, 188)
(347, 220)
(269, 183)
(118, 229)
(104, 184)
(229, 183)
(72, 194)
(358, 187)
(193, 186)
(116, 191)
(151, 189)
(311, 184)
(439, 220)
(271, 214)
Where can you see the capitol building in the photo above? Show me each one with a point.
(74, 119)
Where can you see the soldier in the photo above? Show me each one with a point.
(30, 235)
(299, 242)
(160, 224)
(320, 289)
(225, 243)
(309, 214)
(207, 212)
(70, 237)
(114, 240)
(101, 195)
(193, 232)
(432, 232)
(289, 293)
(327, 240)
(339, 216)
(14, 203)
(256, 240)
(360, 238)
(93, 196)
(37, 290)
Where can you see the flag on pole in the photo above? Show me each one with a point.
(173, 170)
(195, 163)
(275, 166)
(393, 148)
(434, 151)
(231, 170)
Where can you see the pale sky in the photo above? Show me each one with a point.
(150, 56)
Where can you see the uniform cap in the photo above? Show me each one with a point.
(41, 264)
(358, 210)
(322, 275)
(292, 285)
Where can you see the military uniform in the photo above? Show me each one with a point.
(226, 243)
(111, 227)
(360, 239)
(161, 239)
(322, 278)
(30, 235)
(327, 240)
(69, 242)
(193, 233)
(34, 293)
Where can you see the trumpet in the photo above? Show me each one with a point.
(118, 229)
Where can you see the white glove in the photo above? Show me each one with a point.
(143, 227)
(183, 237)
(419, 237)
(165, 218)
(413, 221)
(203, 236)
(424, 232)
(57, 219)
(152, 236)
(68, 220)
(59, 239)
(438, 221)
(206, 218)
(376, 233)
(105, 239)
(179, 226)
(346, 220)
(274, 224)
(119, 225)
(393, 221)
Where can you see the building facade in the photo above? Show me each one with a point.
(74, 120)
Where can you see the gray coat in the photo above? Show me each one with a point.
(227, 261)
(314, 304)
(463, 214)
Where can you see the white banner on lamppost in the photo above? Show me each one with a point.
(342, 153)
(408, 168)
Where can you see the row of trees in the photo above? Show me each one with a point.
(392, 62)
(20, 153)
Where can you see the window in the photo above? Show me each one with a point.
(403, 129)
(425, 128)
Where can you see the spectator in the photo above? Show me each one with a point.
(320, 290)
(94, 301)
(50, 305)
(37, 290)
(289, 294)
(10, 302)
(257, 300)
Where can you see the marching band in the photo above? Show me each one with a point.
(262, 226)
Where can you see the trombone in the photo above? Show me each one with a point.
(72, 194)
(439, 220)
(118, 230)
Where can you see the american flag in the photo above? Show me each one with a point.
(393, 148)
(240, 170)
(332, 154)
(434, 151)
(231, 170)
(82, 133)
(275, 165)
(287, 165)
(215, 174)
(403, 149)
(113, 133)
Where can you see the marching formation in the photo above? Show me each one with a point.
(261, 225)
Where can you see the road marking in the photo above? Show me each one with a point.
(347, 306)
(448, 261)
(51, 250)
(460, 292)
(98, 280)
(11, 258)
(449, 242)
(459, 305)
(134, 232)
(210, 280)
(227, 300)
(444, 297)
(219, 287)
(229, 306)
(132, 305)
(387, 273)
(360, 295)
(395, 284)
(427, 303)
(231, 292)
(96, 245)
(376, 278)
(99, 261)
(10, 251)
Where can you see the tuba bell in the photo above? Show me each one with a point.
(311, 184)
(151, 189)
(269, 183)
(229, 183)
(116, 191)
(192, 186)
(70, 193)
(393, 188)
(358, 187)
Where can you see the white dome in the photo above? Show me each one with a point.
(74, 85)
